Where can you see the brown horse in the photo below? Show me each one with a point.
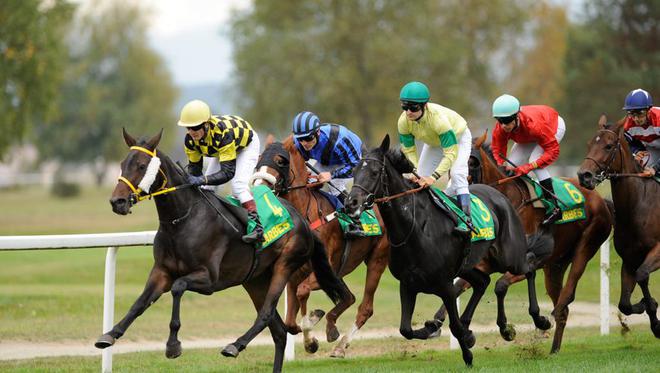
(288, 177)
(198, 247)
(575, 243)
(636, 232)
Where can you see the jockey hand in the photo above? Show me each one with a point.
(523, 170)
(509, 171)
(196, 180)
(410, 177)
(324, 177)
(425, 181)
(648, 172)
(641, 156)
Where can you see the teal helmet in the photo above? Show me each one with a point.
(505, 106)
(415, 92)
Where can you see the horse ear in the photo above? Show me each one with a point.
(602, 122)
(269, 139)
(130, 141)
(385, 145)
(153, 142)
(480, 140)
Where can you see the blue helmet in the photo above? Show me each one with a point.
(305, 123)
(638, 99)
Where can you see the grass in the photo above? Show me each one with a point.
(58, 295)
(583, 351)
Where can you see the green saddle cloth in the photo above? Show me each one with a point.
(572, 200)
(274, 217)
(368, 221)
(482, 218)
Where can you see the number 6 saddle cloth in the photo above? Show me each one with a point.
(571, 199)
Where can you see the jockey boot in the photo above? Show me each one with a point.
(464, 203)
(555, 213)
(257, 235)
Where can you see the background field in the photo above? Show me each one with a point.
(57, 295)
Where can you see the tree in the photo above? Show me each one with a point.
(32, 55)
(113, 80)
(347, 60)
(614, 49)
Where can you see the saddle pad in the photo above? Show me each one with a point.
(482, 218)
(572, 207)
(368, 220)
(274, 217)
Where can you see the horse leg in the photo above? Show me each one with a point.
(650, 264)
(196, 281)
(308, 320)
(292, 308)
(257, 289)
(278, 281)
(480, 282)
(541, 322)
(507, 331)
(651, 307)
(408, 299)
(158, 282)
(376, 265)
(460, 286)
(464, 336)
(627, 286)
(567, 292)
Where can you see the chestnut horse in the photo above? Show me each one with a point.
(637, 231)
(198, 247)
(575, 243)
(283, 168)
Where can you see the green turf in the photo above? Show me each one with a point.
(584, 351)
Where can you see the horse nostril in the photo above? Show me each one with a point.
(118, 201)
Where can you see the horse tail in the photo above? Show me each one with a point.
(610, 207)
(331, 284)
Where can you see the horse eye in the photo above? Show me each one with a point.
(142, 167)
(609, 147)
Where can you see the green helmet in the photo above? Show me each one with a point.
(505, 106)
(415, 92)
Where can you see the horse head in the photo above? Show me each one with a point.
(604, 154)
(372, 180)
(140, 171)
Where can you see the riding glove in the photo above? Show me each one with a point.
(196, 180)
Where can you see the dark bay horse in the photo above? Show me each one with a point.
(286, 172)
(575, 243)
(637, 231)
(198, 247)
(426, 255)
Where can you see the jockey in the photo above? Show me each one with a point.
(446, 137)
(336, 149)
(234, 148)
(642, 126)
(536, 131)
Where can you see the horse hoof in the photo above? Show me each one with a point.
(105, 341)
(469, 339)
(656, 330)
(508, 333)
(332, 333)
(230, 351)
(172, 351)
(312, 346)
(434, 328)
(543, 323)
(338, 352)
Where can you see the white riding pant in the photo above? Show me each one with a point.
(246, 162)
(339, 183)
(430, 158)
(527, 153)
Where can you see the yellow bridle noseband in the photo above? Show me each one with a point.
(137, 192)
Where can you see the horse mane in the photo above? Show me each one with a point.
(399, 160)
(487, 149)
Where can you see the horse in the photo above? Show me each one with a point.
(283, 168)
(198, 247)
(426, 253)
(575, 243)
(636, 231)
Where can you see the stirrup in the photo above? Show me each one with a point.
(553, 217)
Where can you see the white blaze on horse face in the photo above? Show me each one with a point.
(150, 176)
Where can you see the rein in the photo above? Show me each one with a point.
(604, 171)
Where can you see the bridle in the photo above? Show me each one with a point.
(141, 192)
(604, 169)
(386, 198)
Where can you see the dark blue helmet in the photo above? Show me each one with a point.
(638, 99)
(304, 124)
